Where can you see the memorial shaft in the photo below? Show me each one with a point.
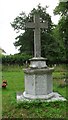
(37, 41)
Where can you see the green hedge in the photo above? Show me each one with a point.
(21, 59)
(15, 59)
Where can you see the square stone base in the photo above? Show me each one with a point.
(54, 96)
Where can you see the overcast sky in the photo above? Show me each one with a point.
(9, 10)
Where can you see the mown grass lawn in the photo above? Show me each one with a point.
(36, 109)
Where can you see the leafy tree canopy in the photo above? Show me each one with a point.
(62, 10)
(51, 48)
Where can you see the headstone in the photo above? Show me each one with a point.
(38, 77)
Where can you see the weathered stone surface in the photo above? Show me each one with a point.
(38, 71)
(38, 82)
(38, 63)
(54, 96)
(29, 96)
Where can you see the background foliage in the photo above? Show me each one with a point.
(53, 45)
(19, 59)
(54, 39)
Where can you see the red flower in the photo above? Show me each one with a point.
(4, 84)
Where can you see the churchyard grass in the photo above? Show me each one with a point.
(36, 109)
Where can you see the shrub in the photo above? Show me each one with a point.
(19, 59)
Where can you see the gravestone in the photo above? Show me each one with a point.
(38, 77)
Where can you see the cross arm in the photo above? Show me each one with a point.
(30, 25)
(44, 25)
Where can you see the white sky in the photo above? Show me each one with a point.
(9, 10)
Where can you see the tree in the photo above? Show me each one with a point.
(62, 10)
(25, 40)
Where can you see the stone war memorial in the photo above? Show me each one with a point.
(38, 77)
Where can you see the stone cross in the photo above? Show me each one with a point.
(36, 25)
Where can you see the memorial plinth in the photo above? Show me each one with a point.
(38, 83)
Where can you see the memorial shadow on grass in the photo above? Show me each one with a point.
(35, 109)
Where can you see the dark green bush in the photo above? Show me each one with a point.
(19, 59)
